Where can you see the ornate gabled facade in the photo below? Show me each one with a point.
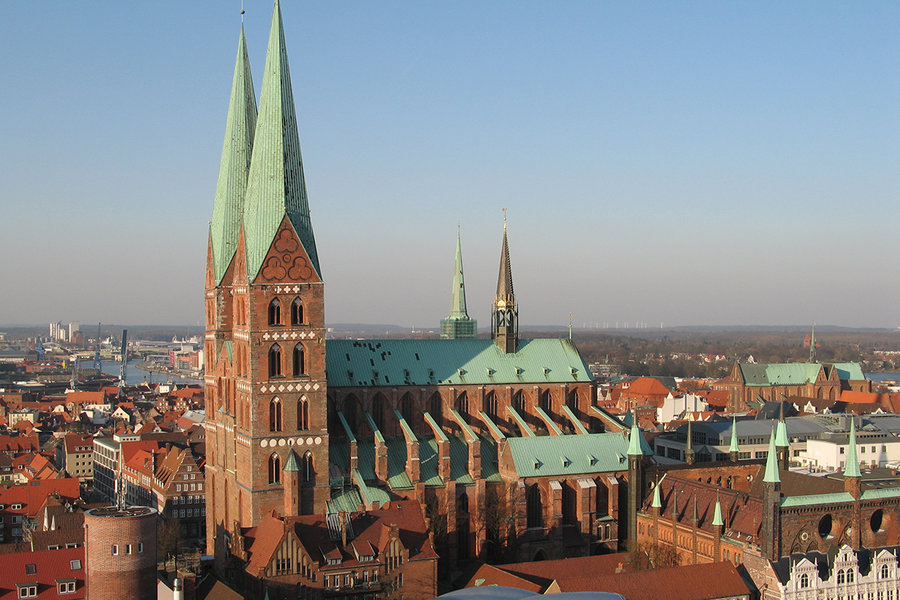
(265, 340)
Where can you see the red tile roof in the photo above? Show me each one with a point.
(32, 495)
(688, 582)
(48, 566)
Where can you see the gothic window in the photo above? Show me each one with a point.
(307, 467)
(299, 361)
(546, 401)
(434, 407)
(302, 413)
(462, 404)
(275, 312)
(572, 400)
(407, 408)
(275, 415)
(534, 506)
(490, 405)
(275, 361)
(274, 469)
(518, 402)
(297, 312)
(378, 410)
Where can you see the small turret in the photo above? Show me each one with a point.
(782, 443)
(734, 450)
(689, 450)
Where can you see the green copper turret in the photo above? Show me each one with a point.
(458, 324)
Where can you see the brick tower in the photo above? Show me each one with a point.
(265, 314)
(120, 553)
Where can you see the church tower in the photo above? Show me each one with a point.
(265, 382)
(458, 324)
(505, 313)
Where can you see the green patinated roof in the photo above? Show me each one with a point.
(458, 293)
(228, 207)
(346, 501)
(657, 501)
(794, 373)
(772, 475)
(561, 455)
(291, 463)
(372, 363)
(734, 437)
(781, 436)
(878, 493)
(717, 515)
(852, 465)
(276, 186)
(835, 497)
(634, 440)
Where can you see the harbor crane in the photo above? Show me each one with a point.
(97, 364)
(124, 359)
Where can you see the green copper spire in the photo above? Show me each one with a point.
(657, 500)
(734, 438)
(771, 475)
(276, 186)
(812, 344)
(458, 324)
(717, 515)
(234, 166)
(291, 464)
(634, 441)
(852, 466)
(781, 437)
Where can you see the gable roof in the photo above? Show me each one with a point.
(374, 363)
(48, 567)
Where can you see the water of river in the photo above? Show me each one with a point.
(134, 376)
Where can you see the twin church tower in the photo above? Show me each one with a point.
(266, 389)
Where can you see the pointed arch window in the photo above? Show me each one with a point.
(406, 407)
(274, 469)
(297, 312)
(378, 403)
(572, 400)
(308, 472)
(275, 414)
(435, 407)
(490, 405)
(303, 413)
(462, 403)
(518, 402)
(275, 361)
(534, 507)
(299, 361)
(275, 312)
(546, 401)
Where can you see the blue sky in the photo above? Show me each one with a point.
(664, 162)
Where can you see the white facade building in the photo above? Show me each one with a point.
(870, 574)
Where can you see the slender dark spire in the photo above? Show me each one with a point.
(505, 325)
(458, 324)
(276, 186)
(228, 208)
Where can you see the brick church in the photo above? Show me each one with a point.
(496, 440)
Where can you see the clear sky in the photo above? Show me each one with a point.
(665, 162)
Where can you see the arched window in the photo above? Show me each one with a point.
(490, 405)
(274, 469)
(884, 572)
(462, 404)
(546, 401)
(275, 415)
(302, 413)
(378, 410)
(434, 407)
(275, 312)
(842, 577)
(297, 312)
(572, 400)
(407, 408)
(534, 506)
(307, 467)
(518, 402)
(275, 361)
(849, 575)
(299, 360)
